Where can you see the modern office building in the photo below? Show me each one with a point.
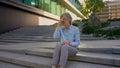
(18, 13)
(111, 11)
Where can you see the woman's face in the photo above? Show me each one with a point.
(65, 21)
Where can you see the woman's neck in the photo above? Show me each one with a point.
(67, 27)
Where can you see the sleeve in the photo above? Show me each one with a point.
(57, 34)
(76, 41)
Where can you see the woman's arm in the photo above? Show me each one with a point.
(57, 34)
(76, 41)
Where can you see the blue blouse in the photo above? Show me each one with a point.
(71, 34)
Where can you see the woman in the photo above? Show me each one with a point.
(70, 39)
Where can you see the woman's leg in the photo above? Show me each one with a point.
(65, 52)
(56, 56)
(72, 51)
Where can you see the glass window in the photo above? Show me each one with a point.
(28, 2)
(58, 9)
(46, 5)
(40, 4)
(33, 3)
(53, 7)
(76, 4)
(20, 1)
(63, 9)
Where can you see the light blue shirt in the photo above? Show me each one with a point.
(71, 34)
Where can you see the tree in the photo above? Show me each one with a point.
(90, 8)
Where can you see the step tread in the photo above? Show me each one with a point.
(38, 62)
(24, 59)
(80, 53)
(47, 51)
(109, 59)
(9, 65)
(100, 55)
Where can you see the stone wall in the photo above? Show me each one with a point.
(11, 18)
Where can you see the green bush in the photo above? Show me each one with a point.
(98, 32)
(116, 33)
(54, 25)
(85, 20)
(85, 24)
(109, 33)
(75, 24)
(95, 28)
(115, 19)
(105, 23)
(87, 29)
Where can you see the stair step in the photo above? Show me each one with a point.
(26, 60)
(101, 46)
(43, 62)
(10, 65)
(14, 36)
(15, 40)
(92, 38)
(108, 59)
(101, 50)
(31, 31)
(29, 38)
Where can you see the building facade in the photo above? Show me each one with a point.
(18, 13)
(111, 11)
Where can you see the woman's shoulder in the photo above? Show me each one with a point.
(74, 27)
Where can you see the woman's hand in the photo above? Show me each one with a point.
(66, 42)
(59, 24)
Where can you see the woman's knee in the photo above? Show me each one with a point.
(58, 46)
(64, 47)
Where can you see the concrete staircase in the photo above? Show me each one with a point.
(29, 49)
(38, 55)
(37, 33)
(91, 37)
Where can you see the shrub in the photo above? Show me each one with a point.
(115, 19)
(75, 24)
(54, 25)
(111, 33)
(87, 29)
(98, 32)
(116, 33)
(105, 23)
(85, 20)
(85, 24)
